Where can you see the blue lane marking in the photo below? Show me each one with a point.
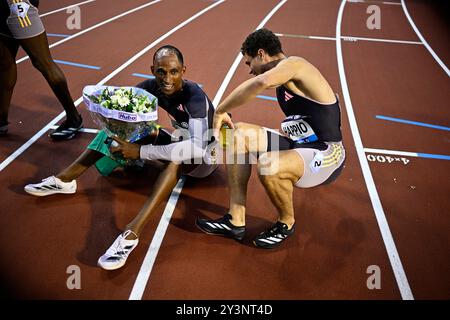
(58, 35)
(76, 64)
(414, 123)
(149, 76)
(267, 98)
(146, 76)
(433, 156)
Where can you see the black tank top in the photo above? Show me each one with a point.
(324, 119)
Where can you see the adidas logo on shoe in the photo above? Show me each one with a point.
(273, 236)
(51, 185)
(116, 256)
(221, 227)
(66, 130)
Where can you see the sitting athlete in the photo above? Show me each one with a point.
(20, 25)
(308, 154)
(190, 108)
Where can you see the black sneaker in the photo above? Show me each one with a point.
(66, 130)
(273, 236)
(221, 227)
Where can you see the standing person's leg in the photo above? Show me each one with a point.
(37, 48)
(8, 77)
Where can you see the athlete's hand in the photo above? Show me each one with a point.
(220, 119)
(126, 149)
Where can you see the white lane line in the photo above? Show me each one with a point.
(33, 139)
(348, 38)
(386, 234)
(146, 268)
(65, 8)
(425, 43)
(391, 152)
(408, 154)
(152, 252)
(94, 27)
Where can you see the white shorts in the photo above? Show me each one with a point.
(323, 161)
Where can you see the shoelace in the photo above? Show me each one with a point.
(117, 249)
(52, 179)
(274, 230)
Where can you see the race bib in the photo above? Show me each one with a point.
(297, 129)
(316, 162)
(19, 9)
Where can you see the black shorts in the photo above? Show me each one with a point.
(277, 142)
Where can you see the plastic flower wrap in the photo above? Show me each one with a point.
(127, 112)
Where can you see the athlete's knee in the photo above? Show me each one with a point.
(246, 137)
(268, 166)
(44, 65)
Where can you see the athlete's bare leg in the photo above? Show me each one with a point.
(87, 159)
(39, 53)
(247, 139)
(8, 75)
(278, 171)
(162, 188)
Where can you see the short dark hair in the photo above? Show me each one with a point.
(173, 50)
(261, 39)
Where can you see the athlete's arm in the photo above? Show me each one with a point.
(285, 71)
(194, 143)
(190, 148)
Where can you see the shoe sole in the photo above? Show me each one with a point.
(61, 137)
(240, 238)
(109, 268)
(266, 247)
(40, 194)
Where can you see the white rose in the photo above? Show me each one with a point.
(123, 101)
(114, 99)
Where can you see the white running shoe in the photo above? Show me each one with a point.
(116, 256)
(51, 185)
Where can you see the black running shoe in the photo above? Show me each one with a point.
(273, 236)
(66, 130)
(221, 227)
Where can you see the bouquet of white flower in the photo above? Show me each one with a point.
(127, 112)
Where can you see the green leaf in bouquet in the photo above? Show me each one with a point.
(93, 98)
(106, 104)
